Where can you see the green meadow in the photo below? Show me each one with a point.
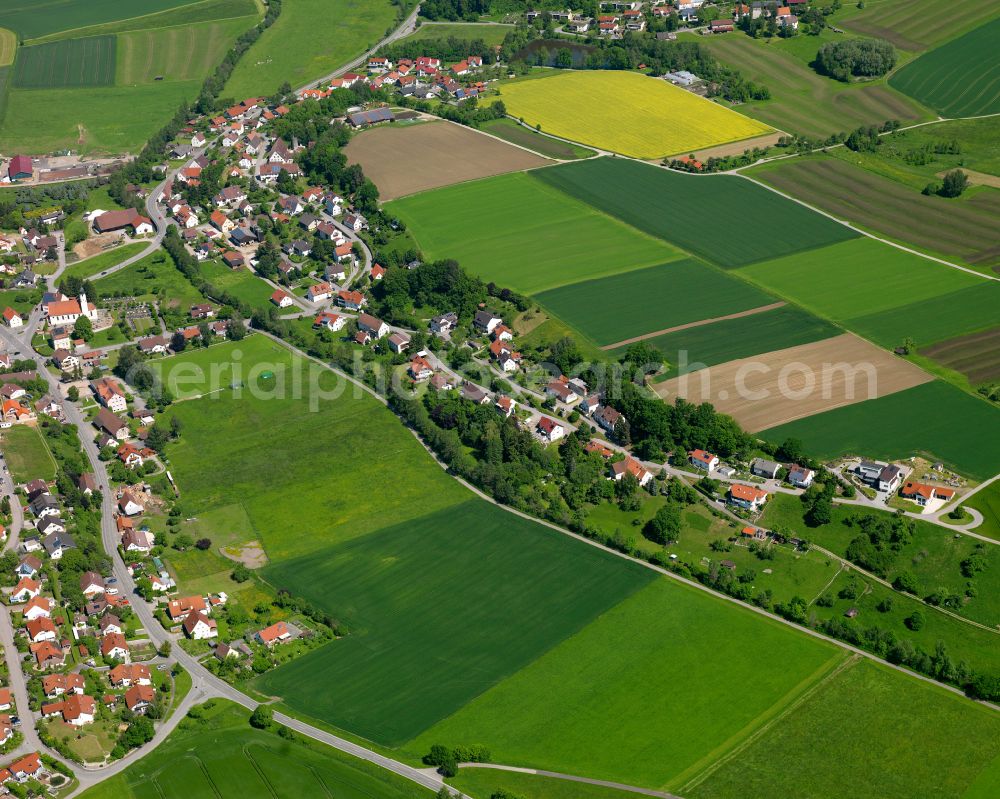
(27, 454)
(868, 733)
(70, 63)
(987, 502)
(241, 283)
(523, 234)
(730, 339)
(310, 38)
(90, 267)
(441, 608)
(220, 756)
(728, 220)
(678, 691)
(482, 783)
(954, 428)
(152, 277)
(31, 19)
(515, 133)
(614, 308)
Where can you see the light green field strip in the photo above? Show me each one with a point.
(8, 46)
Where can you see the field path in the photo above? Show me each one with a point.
(572, 778)
(699, 323)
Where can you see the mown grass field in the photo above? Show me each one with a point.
(730, 339)
(241, 283)
(27, 454)
(482, 783)
(676, 690)
(43, 120)
(529, 236)
(618, 307)
(987, 502)
(186, 14)
(221, 756)
(967, 228)
(69, 63)
(913, 24)
(486, 593)
(626, 112)
(728, 220)
(976, 355)
(31, 20)
(8, 47)
(188, 52)
(509, 130)
(297, 49)
(89, 267)
(901, 738)
(958, 79)
(953, 428)
(802, 101)
(882, 292)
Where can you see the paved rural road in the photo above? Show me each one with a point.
(572, 778)
(405, 28)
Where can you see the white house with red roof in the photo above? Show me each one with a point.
(630, 465)
(320, 292)
(275, 634)
(549, 430)
(701, 459)
(12, 318)
(282, 298)
(747, 497)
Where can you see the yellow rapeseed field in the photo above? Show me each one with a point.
(626, 113)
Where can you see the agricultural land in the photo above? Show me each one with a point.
(958, 79)
(26, 454)
(438, 154)
(625, 113)
(912, 25)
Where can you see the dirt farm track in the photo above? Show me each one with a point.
(406, 159)
(782, 386)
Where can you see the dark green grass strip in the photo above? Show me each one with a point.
(727, 219)
(66, 64)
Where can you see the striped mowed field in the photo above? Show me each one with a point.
(66, 64)
(8, 46)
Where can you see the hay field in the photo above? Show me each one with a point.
(958, 79)
(779, 387)
(188, 52)
(407, 159)
(626, 113)
(8, 46)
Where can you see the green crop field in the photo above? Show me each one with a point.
(490, 33)
(615, 308)
(482, 783)
(987, 502)
(220, 756)
(953, 426)
(976, 355)
(676, 687)
(89, 267)
(27, 454)
(509, 130)
(188, 52)
(297, 49)
(728, 220)
(867, 733)
(968, 228)
(881, 291)
(528, 236)
(486, 593)
(43, 120)
(913, 24)
(186, 14)
(958, 79)
(709, 345)
(70, 63)
(803, 101)
(31, 19)
(153, 277)
(241, 283)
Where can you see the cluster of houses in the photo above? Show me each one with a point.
(421, 77)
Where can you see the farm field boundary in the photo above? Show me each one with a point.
(779, 387)
(976, 355)
(31, 19)
(438, 154)
(656, 333)
(913, 25)
(688, 210)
